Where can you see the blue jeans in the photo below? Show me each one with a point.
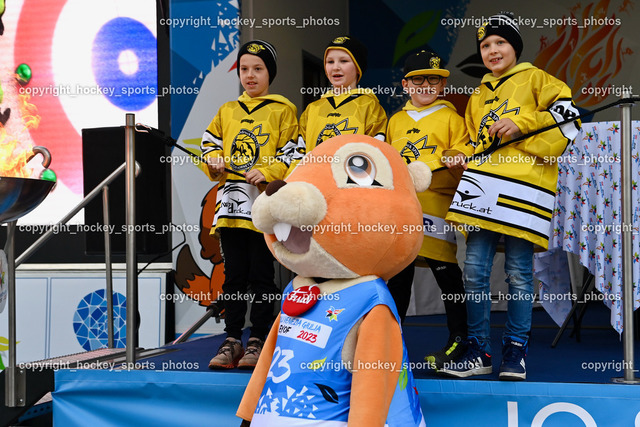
(481, 248)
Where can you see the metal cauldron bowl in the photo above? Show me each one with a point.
(19, 196)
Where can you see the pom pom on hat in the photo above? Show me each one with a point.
(264, 51)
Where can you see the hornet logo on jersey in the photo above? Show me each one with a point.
(334, 129)
(413, 150)
(489, 119)
(245, 148)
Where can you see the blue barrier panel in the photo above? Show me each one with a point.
(143, 397)
(523, 404)
(140, 398)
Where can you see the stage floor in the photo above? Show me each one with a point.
(569, 385)
(597, 358)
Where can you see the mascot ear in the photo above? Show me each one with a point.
(420, 175)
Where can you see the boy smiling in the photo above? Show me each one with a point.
(428, 129)
(508, 197)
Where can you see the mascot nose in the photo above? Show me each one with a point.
(274, 186)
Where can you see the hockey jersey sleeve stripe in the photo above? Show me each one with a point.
(288, 153)
(210, 143)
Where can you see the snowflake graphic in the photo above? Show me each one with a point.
(90, 321)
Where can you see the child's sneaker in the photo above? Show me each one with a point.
(475, 361)
(454, 349)
(251, 354)
(514, 353)
(228, 355)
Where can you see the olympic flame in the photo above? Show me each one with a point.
(14, 154)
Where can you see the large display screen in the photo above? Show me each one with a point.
(80, 64)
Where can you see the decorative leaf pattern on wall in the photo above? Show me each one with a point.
(416, 33)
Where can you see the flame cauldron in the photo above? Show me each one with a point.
(19, 196)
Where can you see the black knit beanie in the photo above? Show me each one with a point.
(356, 50)
(264, 51)
(503, 25)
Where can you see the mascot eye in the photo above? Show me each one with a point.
(361, 170)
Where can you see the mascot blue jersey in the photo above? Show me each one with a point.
(309, 384)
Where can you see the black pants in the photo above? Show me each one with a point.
(449, 278)
(248, 271)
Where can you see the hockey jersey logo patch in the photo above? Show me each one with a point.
(334, 129)
(413, 150)
(489, 119)
(245, 148)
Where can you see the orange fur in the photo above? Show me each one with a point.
(318, 193)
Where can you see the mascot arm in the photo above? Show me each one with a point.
(259, 377)
(379, 343)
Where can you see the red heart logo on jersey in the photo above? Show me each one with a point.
(300, 300)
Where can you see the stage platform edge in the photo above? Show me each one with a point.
(143, 397)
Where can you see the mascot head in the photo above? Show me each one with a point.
(349, 209)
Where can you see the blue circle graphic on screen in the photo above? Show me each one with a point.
(124, 57)
(90, 321)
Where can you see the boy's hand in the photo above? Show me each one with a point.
(505, 127)
(254, 177)
(459, 161)
(215, 166)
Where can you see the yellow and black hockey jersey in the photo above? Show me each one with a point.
(357, 111)
(513, 190)
(424, 134)
(250, 133)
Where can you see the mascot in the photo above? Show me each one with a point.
(346, 220)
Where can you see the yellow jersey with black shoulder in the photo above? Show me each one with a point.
(250, 133)
(424, 134)
(512, 191)
(356, 111)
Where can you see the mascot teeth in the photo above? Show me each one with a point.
(282, 231)
(292, 238)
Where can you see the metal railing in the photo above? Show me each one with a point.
(15, 389)
(626, 190)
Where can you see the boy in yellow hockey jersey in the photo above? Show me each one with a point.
(429, 130)
(249, 141)
(509, 195)
(345, 109)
